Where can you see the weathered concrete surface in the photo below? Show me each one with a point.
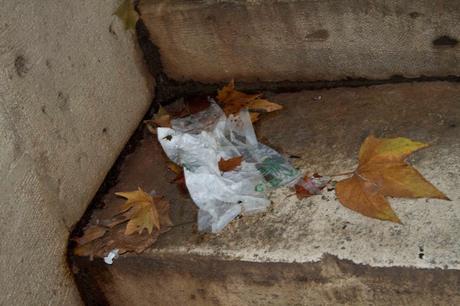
(72, 90)
(325, 128)
(198, 280)
(214, 41)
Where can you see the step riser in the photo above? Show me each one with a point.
(194, 280)
(214, 41)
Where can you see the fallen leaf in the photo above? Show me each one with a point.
(233, 101)
(91, 234)
(263, 106)
(108, 226)
(175, 167)
(127, 14)
(180, 178)
(116, 239)
(382, 171)
(142, 211)
(254, 117)
(311, 185)
(364, 197)
(162, 118)
(195, 105)
(226, 165)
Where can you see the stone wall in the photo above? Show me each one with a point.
(72, 90)
(304, 40)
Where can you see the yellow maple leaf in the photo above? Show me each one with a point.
(383, 172)
(233, 101)
(127, 14)
(142, 211)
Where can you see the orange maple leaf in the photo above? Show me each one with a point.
(383, 172)
(233, 101)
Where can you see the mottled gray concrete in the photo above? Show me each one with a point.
(72, 90)
(290, 40)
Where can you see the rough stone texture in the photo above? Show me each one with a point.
(211, 40)
(325, 129)
(206, 280)
(72, 90)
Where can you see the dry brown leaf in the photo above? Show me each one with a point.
(263, 106)
(175, 168)
(195, 105)
(162, 206)
(254, 116)
(226, 165)
(98, 240)
(364, 197)
(382, 172)
(91, 234)
(233, 101)
(180, 178)
(116, 239)
(142, 211)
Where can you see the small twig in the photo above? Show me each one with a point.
(290, 195)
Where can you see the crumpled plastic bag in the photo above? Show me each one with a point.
(199, 141)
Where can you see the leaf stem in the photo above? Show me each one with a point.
(342, 174)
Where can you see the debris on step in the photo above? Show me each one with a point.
(232, 101)
(227, 171)
(119, 227)
(309, 186)
(111, 256)
(219, 162)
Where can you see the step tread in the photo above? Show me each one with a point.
(325, 128)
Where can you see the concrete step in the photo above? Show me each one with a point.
(306, 40)
(311, 251)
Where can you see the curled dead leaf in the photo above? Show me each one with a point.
(232, 101)
(263, 106)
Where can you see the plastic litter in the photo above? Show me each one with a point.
(111, 256)
(199, 141)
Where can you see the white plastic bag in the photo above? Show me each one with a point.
(199, 141)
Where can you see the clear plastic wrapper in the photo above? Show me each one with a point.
(199, 141)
